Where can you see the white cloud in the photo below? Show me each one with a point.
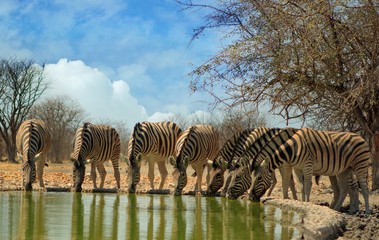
(94, 92)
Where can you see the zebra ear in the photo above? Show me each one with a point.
(210, 163)
(139, 158)
(37, 157)
(171, 160)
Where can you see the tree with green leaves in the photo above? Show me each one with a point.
(313, 60)
(21, 83)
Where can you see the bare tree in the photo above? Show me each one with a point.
(62, 116)
(314, 60)
(21, 84)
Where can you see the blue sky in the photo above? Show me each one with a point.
(121, 60)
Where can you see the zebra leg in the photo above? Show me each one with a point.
(292, 186)
(300, 177)
(151, 172)
(209, 167)
(308, 173)
(353, 193)
(163, 171)
(199, 172)
(102, 172)
(336, 190)
(93, 173)
(365, 192)
(40, 165)
(274, 181)
(342, 180)
(116, 171)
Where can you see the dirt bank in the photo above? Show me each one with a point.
(358, 226)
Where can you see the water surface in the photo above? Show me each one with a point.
(47, 215)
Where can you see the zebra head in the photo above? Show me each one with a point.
(180, 173)
(240, 180)
(216, 176)
(262, 180)
(81, 145)
(133, 165)
(29, 171)
(230, 167)
(133, 173)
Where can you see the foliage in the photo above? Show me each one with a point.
(314, 60)
(21, 84)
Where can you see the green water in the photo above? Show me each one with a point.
(46, 215)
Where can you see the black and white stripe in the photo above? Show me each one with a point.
(311, 152)
(240, 173)
(33, 140)
(195, 147)
(98, 143)
(154, 142)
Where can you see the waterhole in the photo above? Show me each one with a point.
(49, 215)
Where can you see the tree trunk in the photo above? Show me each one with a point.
(375, 163)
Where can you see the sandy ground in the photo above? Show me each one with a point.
(359, 226)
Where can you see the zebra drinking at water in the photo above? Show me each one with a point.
(33, 140)
(220, 164)
(310, 152)
(195, 146)
(240, 174)
(154, 142)
(98, 143)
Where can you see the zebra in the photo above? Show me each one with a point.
(240, 174)
(221, 162)
(310, 152)
(195, 146)
(98, 143)
(152, 141)
(33, 141)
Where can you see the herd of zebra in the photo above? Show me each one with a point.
(245, 163)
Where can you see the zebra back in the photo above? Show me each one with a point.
(275, 145)
(99, 142)
(153, 138)
(32, 138)
(197, 142)
(227, 152)
(335, 151)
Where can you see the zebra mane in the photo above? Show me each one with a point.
(134, 133)
(284, 134)
(85, 127)
(30, 137)
(190, 130)
(239, 138)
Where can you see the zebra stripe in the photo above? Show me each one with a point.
(155, 142)
(197, 144)
(33, 141)
(98, 143)
(240, 174)
(320, 153)
(232, 147)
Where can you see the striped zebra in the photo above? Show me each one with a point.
(311, 152)
(197, 144)
(98, 143)
(220, 164)
(154, 142)
(240, 174)
(33, 140)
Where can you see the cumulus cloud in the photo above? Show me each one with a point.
(94, 91)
